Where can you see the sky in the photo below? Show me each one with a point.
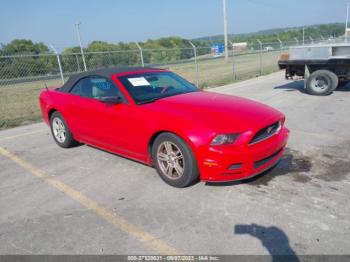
(52, 21)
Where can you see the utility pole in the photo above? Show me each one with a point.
(346, 23)
(303, 35)
(225, 31)
(77, 27)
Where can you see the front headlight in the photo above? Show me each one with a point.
(224, 139)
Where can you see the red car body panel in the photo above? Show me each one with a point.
(128, 129)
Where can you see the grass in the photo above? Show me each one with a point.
(19, 102)
(216, 72)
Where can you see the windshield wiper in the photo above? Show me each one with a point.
(148, 100)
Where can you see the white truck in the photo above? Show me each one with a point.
(324, 67)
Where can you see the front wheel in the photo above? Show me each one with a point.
(60, 131)
(174, 160)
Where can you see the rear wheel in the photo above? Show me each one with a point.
(60, 131)
(174, 160)
(321, 83)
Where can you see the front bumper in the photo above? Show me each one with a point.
(231, 163)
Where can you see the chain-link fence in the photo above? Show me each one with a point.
(250, 59)
(23, 76)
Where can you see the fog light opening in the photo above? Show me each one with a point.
(235, 166)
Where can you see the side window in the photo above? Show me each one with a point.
(102, 87)
(82, 88)
(95, 87)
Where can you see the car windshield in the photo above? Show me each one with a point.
(151, 86)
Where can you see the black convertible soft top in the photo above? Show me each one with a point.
(103, 72)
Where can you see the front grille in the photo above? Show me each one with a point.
(264, 161)
(266, 132)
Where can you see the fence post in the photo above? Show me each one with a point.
(195, 62)
(260, 56)
(297, 40)
(141, 54)
(312, 40)
(281, 44)
(78, 64)
(59, 62)
(81, 47)
(233, 61)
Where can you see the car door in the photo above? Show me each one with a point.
(103, 124)
(81, 103)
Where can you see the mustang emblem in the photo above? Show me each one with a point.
(269, 129)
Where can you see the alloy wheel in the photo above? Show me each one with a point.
(59, 130)
(170, 160)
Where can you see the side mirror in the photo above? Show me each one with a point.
(113, 100)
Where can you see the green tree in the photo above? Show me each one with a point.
(23, 59)
(23, 46)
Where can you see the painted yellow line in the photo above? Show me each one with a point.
(113, 218)
(24, 134)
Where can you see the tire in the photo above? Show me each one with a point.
(321, 83)
(170, 153)
(60, 131)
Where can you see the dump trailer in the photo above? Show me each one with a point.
(324, 67)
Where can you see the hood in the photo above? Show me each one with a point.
(219, 112)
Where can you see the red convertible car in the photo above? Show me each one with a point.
(156, 117)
